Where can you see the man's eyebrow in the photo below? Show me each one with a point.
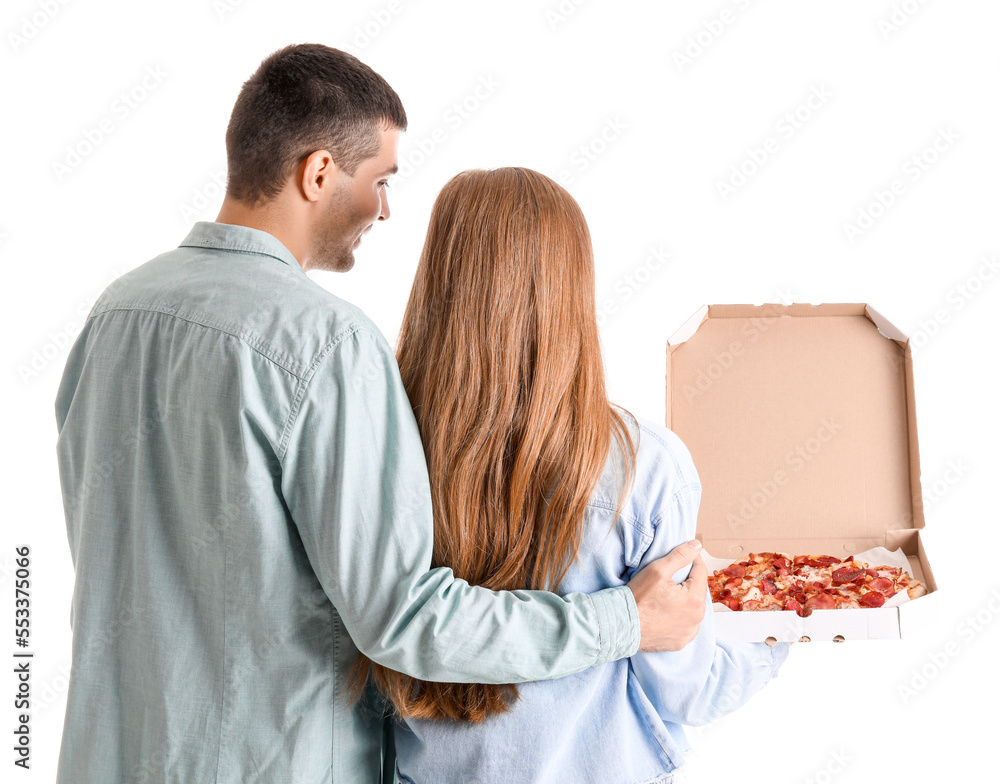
(393, 170)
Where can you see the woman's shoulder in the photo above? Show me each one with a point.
(663, 468)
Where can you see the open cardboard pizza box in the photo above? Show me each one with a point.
(801, 422)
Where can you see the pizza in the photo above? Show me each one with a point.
(803, 583)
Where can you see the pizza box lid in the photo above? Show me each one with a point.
(801, 421)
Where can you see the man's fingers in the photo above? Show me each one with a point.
(698, 577)
(669, 617)
(681, 556)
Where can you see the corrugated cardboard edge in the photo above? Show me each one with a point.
(886, 328)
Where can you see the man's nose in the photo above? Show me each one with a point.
(384, 213)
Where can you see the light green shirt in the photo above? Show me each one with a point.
(247, 505)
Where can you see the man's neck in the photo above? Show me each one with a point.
(272, 219)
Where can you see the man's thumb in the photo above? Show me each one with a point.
(682, 555)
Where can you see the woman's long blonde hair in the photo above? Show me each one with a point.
(500, 354)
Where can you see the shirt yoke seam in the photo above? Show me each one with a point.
(646, 536)
(667, 448)
(243, 336)
(690, 487)
(303, 385)
(685, 488)
(625, 517)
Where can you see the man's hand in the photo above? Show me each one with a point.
(670, 613)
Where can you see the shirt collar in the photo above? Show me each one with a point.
(228, 236)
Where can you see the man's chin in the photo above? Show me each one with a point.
(342, 262)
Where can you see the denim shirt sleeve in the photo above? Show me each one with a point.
(354, 478)
(708, 678)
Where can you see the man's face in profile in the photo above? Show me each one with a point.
(356, 204)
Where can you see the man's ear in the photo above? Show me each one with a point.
(317, 174)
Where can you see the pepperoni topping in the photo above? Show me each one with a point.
(735, 570)
(883, 585)
(768, 587)
(791, 604)
(821, 601)
(734, 582)
(733, 603)
(823, 560)
(873, 599)
(846, 575)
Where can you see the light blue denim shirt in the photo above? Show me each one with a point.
(620, 722)
(247, 504)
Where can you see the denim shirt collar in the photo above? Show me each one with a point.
(227, 236)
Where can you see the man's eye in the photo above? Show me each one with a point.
(384, 184)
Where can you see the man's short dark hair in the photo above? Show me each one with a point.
(303, 98)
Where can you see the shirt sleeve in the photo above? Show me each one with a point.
(354, 478)
(708, 678)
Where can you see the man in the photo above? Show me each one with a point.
(246, 496)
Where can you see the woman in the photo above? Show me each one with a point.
(530, 466)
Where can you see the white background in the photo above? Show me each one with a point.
(642, 110)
